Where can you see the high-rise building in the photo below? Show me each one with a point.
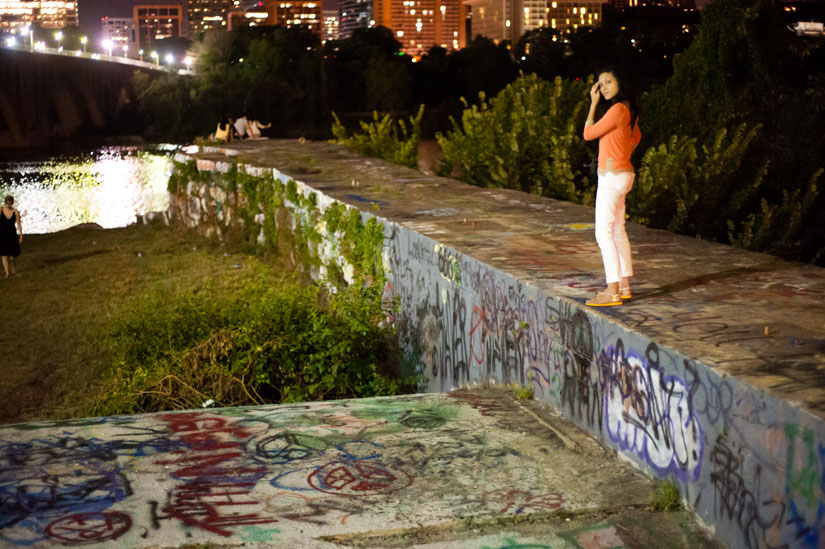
(509, 19)
(421, 24)
(50, 14)
(296, 13)
(253, 16)
(331, 25)
(119, 30)
(157, 23)
(204, 15)
(565, 16)
(353, 14)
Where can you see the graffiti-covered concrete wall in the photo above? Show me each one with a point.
(646, 382)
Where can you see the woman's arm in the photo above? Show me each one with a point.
(595, 95)
(19, 226)
(611, 119)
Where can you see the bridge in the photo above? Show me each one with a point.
(50, 94)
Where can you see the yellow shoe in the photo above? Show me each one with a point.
(604, 299)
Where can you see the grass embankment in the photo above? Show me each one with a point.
(150, 317)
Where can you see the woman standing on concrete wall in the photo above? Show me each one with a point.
(618, 134)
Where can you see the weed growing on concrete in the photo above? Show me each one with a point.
(382, 138)
(665, 497)
(525, 392)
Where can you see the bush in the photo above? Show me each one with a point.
(694, 189)
(527, 138)
(385, 139)
(247, 344)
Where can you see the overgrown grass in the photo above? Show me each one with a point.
(247, 342)
(75, 286)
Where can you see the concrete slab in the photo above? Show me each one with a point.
(468, 469)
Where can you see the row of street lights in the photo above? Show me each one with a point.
(108, 45)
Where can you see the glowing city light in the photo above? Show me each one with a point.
(108, 45)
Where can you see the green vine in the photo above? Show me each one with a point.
(294, 226)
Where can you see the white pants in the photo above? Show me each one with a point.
(610, 232)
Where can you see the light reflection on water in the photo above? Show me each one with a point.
(110, 186)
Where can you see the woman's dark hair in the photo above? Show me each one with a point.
(626, 93)
(9, 199)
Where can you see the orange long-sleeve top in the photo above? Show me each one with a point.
(616, 140)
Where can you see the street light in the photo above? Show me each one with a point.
(28, 30)
(11, 41)
(58, 36)
(125, 50)
(154, 55)
(108, 45)
(188, 62)
(140, 53)
(83, 40)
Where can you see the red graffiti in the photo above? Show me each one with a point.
(217, 477)
(358, 478)
(213, 507)
(517, 501)
(84, 528)
(477, 335)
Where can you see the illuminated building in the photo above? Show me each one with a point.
(204, 15)
(119, 30)
(255, 16)
(566, 16)
(156, 23)
(421, 24)
(353, 14)
(509, 19)
(331, 25)
(296, 13)
(15, 14)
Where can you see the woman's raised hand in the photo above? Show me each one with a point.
(595, 95)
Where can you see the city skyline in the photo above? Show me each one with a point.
(90, 12)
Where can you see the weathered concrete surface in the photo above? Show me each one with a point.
(468, 469)
(712, 375)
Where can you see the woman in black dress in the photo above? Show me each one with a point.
(10, 240)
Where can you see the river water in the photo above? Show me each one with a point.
(110, 186)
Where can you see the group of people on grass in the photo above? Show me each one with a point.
(240, 128)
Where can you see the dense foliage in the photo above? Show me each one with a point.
(747, 95)
(527, 138)
(732, 150)
(250, 343)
